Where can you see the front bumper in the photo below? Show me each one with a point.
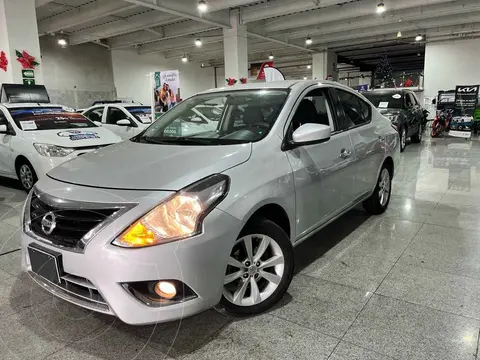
(198, 262)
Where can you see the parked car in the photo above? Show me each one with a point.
(173, 223)
(403, 110)
(35, 138)
(125, 120)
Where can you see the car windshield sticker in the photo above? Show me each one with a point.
(397, 96)
(383, 104)
(79, 134)
(145, 118)
(28, 125)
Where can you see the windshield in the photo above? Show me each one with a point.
(141, 113)
(233, 117)
(30, 119)
(392, 100)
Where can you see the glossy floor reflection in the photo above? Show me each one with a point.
(405, 285)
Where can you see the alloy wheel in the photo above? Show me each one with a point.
(255, 269)
(26, 176)
(385, 186)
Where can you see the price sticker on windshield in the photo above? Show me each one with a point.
(383, 104)
(28, 125)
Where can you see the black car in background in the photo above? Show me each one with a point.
(404, 111)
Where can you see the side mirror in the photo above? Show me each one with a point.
(4, 129)
(311, 134)
(124, 122)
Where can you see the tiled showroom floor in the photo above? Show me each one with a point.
(405, 285)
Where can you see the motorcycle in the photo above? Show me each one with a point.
(441, 122)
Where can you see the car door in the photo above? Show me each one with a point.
(366, 140)
(6, 155)
(115, 114)
(321, 172)
(410, 114)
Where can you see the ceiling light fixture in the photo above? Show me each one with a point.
(308, 41)
(309, 66)
(381, 8)
(198, 42)
(202, 65)
(202, 6)
(271, 56)
(399, 34)
(184, 58)
(62, 42)
(304, 78)
(419, 37)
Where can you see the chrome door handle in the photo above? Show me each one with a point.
(345, 154)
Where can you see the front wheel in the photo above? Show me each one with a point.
(378, 202)
(27, 175)
(260, 268)
(417, 138)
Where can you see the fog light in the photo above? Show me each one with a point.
(165, 290)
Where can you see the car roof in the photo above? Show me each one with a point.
(285, 84)
(32, 105)
(387, 91)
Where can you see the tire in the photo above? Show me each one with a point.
(26, 174)
(403, 138)
(417, 138)
(258, 232)
(375, 204)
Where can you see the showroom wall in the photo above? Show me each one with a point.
(451, 63)
(132, 75)
(76, 75)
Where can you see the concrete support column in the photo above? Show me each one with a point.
(235, 48)
(324, 64)
(18, 31)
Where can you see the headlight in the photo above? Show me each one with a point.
(52, 150)
(178, 217)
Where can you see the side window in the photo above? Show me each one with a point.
(313, 109)
(413, 99)
(95, 114)
(115, 114)
(3, 119)
(355, 109)
(408, 100)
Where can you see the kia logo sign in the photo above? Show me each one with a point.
(467, 89)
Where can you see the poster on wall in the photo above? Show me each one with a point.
(466, 99)
(166, 91)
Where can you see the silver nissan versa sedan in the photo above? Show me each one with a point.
(172, 222)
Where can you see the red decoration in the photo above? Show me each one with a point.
(408, 83)
(27, 60)
(231, 81)
(261, 73)
(3, 61)
(243, 80)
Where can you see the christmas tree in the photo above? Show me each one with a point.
(383, 73)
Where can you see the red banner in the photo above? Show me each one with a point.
(261, 73)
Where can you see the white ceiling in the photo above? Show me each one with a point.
(350, 27)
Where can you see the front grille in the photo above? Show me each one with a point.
(71, 225)
(77, 290)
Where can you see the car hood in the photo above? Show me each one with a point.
(73, 138)
(137, 166)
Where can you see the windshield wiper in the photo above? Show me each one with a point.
(175, 140)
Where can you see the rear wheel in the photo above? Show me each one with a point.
(26, 174)
(259, 270)
(378, 202)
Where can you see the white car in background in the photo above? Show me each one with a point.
(34, 138)
(125, 120)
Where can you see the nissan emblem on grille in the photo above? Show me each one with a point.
(48, 223)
